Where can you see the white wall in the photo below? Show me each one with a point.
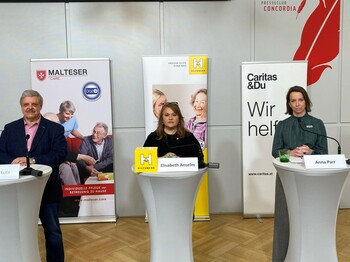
(230, 32)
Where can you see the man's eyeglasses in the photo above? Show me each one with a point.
(98, 133)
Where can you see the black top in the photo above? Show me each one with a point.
(182, 147)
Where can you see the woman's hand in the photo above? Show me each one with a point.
(306, 150)
(170, 154)
(300, 151)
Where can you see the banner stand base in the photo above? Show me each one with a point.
(201, 219)
(78, 220)
(195, 219)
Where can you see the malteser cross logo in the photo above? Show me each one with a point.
(41, 74)
(147, 159)
(197, 63)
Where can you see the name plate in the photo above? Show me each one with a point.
(146, 159)
(324, 161)
(177, 164)
(10, 171)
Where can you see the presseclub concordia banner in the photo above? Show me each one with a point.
(177, 79)
(264, 89)
(86, 84)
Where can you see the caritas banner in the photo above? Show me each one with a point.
(264, 89)
(77, 95)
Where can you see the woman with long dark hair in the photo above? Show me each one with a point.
(171, 137)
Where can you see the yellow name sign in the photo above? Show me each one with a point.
(146, 159)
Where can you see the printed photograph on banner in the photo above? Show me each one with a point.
(77, 95)
(192, 100)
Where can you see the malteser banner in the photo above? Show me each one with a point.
(181, 79)
(264, 89)
(77, 95)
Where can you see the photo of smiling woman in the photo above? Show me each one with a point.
(158, 100)
(198, 124)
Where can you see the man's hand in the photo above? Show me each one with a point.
(87, 159)
(20, 160)
(92, 171)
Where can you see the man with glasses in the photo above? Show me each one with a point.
(99, 146)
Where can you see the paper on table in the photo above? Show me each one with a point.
(295, 159)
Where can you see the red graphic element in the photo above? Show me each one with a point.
(301, 7)
(41, 74)
(88, 190)
(320, 38)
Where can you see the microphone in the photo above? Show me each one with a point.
(201, 163)
(339, 148)
(28, 170)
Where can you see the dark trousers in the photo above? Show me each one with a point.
(281, 226)
(53, 235)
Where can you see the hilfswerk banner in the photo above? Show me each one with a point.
(264, 89)
(77, 95)
(181, 79)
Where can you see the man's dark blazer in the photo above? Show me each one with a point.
(49, 147)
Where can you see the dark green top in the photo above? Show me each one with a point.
(289, 135)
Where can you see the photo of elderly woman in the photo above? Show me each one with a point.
(198, 123)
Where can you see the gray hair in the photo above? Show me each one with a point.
(193, 97)
(31, 93)
(103, 125)
(67, 106)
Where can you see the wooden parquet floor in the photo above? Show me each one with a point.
(224, 238)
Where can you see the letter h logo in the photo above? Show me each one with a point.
(147, 159)
(197, 63)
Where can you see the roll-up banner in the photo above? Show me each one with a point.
(264, 89)
(77, 95)
(181, 79)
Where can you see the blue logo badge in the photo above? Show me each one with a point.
(91, 91)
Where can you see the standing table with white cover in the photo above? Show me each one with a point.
(313, 197)
(169, 199)
(20, 204)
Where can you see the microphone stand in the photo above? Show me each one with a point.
(201, 164)
(339, 148)
(27, 170)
